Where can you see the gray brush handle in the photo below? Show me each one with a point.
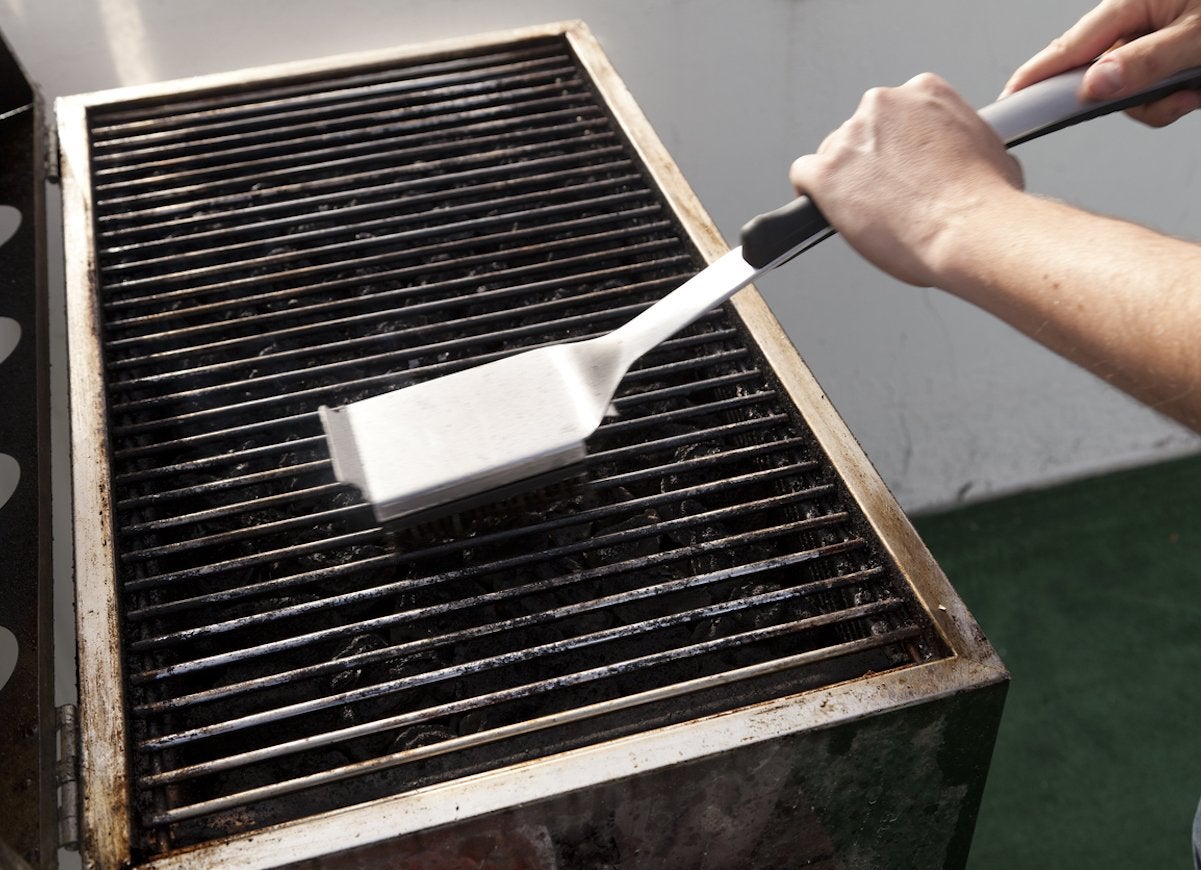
(1042, 108)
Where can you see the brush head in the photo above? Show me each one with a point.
(416, 449)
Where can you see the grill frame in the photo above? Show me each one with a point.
(972, 664)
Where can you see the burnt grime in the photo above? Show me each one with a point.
(267, 249)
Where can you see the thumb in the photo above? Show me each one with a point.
(1142, 62)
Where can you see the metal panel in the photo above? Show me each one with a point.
(27, 799)
(859, 796)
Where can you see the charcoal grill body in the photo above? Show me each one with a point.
(262, 682)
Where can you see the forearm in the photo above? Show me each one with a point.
(1113, 297)
(921, 187)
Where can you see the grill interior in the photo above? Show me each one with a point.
(268, 248)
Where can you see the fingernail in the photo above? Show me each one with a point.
(1104, 79)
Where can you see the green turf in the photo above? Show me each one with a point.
(1091, 593)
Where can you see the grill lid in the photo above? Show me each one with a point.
(27, 799)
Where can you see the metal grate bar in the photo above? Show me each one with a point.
(393, 620)
(266, 99)
(187, 519)
(294, 642)
(214, 129)
(304, 201)
(234, 565)
(257, 319)
(243, 239)
(333, 393)
(678, 690)
(600, 540)
(643, 449)
(292, 423)
(475, 324)
(494, 697)
(474, 667)
(348, 250)
(273, 451)
(313, 492)
(161, 359)
(505, 240)
(308, 519)
(530, 95)
(138, 216)
(315, 127)
(346, 204)
(487, 136)
(295, 675)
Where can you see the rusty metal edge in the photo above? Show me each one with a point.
(105, 834)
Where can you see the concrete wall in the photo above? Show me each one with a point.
(948, 403)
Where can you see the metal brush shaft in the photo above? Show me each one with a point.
(705, 290)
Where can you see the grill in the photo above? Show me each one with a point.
(248, 248)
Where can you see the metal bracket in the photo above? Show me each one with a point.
(67, 777)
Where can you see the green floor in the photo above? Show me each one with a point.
(1091, 593)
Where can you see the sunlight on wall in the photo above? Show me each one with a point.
(125, 32)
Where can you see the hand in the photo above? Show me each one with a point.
(1139, 42)
(906, 172)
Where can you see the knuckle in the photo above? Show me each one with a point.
(927, 80)
(1121, 7)
(929, 84)
(1190, 25)
(1058, 45)
(1145, 66)
(873, 97)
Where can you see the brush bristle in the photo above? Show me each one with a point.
(537, 498)
(469, 433)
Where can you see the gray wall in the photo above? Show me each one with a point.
(949, 404)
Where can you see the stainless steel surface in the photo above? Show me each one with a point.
(267, 243)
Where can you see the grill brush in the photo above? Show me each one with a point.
(487, 432)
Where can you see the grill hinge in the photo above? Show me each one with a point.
(67, 777)
(50, 155)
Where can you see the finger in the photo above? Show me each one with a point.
(802, 173)
(1084, 41)
(1142, 62)
(1168, 110)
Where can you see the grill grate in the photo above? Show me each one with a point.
(267, 249)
